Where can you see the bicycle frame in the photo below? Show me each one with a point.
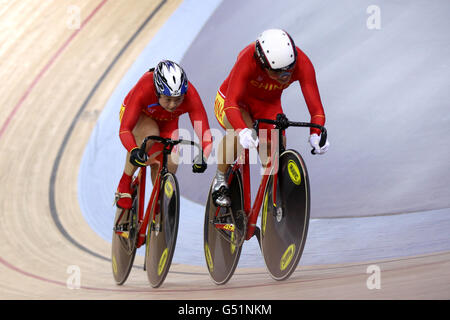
(153, 205)
(242, 164)
(140, 182)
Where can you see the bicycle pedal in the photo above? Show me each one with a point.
(156, 227)
(124, 234)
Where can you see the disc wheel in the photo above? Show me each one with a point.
(162, 232)
(222, 249)
(124, 241)
(284, 224)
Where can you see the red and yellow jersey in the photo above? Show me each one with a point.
(142, 100)
(248, 83)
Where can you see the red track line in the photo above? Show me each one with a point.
(45, 69)
(20, 103)
(214, 287)
(28, 274)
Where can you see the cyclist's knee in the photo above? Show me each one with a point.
(145, 126)
(173, 160)
(230, 147)
(172, 167)
(155, 155)
(264, 152)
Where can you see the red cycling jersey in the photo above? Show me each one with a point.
(142, 100)
(249, 86)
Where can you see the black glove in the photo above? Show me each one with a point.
(283, 121)
(137, 158)
(199, 165)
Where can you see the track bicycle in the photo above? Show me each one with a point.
(157, 228)
(283, 194)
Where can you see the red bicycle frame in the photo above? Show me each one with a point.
(140, 182)
(152, 206)
(252, 212)
(242, 164)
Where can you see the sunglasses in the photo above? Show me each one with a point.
(280, 73)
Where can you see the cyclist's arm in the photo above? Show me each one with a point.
(199, 120)
(308, 83)
(234, 117)
(130, 118)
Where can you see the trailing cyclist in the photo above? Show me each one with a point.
(153, 107)
(253, 90)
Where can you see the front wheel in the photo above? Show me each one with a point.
(221, 250)
(284, 223)
(162, 231)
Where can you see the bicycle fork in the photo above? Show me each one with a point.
(152, 208)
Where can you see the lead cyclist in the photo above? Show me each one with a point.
(252, 90)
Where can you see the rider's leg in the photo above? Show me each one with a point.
(167, 129)
(268, 136)
(268, 143)
(172, 163)
(145, 126)
(227, 153)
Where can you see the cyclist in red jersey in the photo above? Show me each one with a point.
(253, 90)
(153, 107)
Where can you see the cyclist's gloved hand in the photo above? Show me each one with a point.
(248, 138)
(199, 165)
(314, 141)
(137, 159)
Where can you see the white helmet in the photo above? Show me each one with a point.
(276, 50)
(170, 79)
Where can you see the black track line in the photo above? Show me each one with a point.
(62, 148)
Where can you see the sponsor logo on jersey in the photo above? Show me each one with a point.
(268, 86)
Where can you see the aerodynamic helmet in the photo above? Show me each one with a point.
(276, 50)
(170, 79)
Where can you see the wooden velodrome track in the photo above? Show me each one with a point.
(49, 94)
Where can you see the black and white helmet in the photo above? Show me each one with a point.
(170, 79)
(276, 50)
